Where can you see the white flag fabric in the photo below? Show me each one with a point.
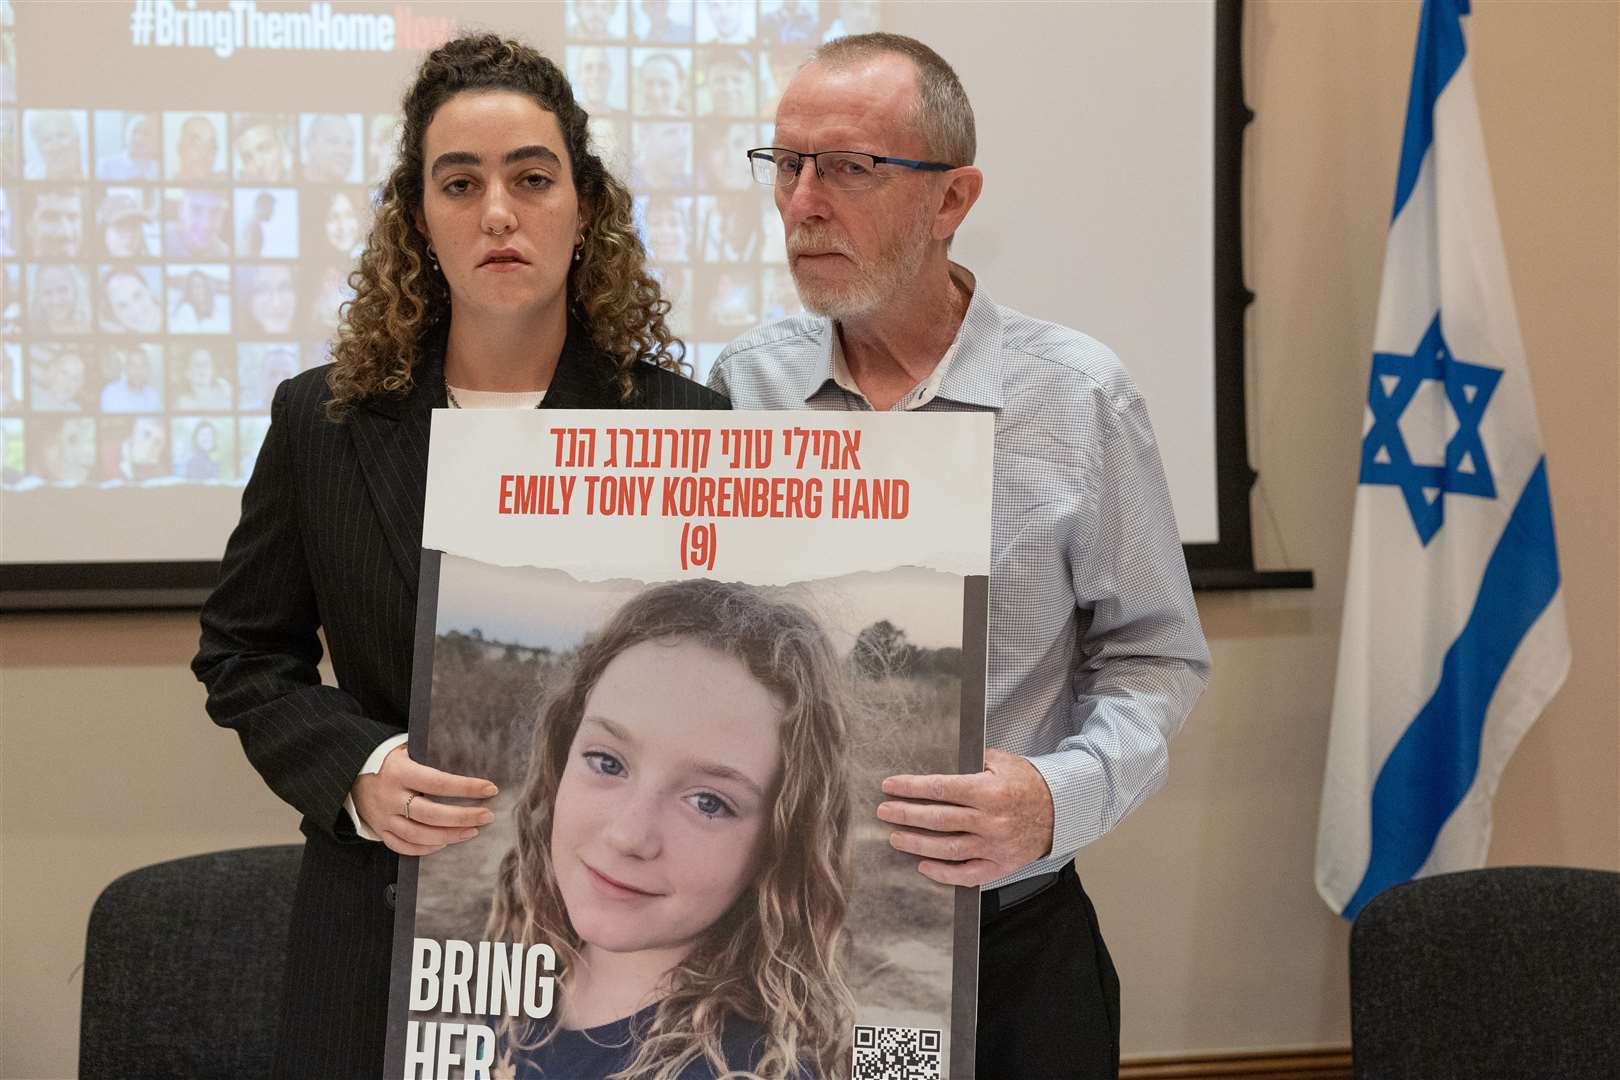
(1454, 634)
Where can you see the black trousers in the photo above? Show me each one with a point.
(1048, 993)
(334, 1001)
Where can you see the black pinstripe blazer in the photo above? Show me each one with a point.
(329, 545)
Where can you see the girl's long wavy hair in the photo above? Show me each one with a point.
(776, 957)
(398, 289)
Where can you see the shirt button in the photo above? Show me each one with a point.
(389, 892)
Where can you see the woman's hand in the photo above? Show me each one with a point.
(397, 804)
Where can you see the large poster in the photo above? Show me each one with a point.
(688, 651)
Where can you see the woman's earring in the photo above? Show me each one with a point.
(433, 258)
(579, 248)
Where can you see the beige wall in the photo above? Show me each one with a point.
(1206, 893)
(107, 762)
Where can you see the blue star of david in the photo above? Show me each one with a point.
(1384, 456)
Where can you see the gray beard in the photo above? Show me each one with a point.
(867, 293)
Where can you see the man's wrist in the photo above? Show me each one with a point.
(1075, 801)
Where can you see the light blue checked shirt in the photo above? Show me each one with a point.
(1096, 654)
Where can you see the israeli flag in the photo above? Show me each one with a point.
(1454, 635)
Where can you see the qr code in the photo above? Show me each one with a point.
(897, 1053)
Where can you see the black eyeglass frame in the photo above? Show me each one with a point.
(877, 159)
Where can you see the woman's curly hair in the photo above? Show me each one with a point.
(776, 957)
(399, 291)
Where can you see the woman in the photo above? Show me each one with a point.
(682, 844)
(59, 303)
(266, 296)
(199, 386)
(252, 238)
(128, 305)
(340, 225)
(142, 443)
(62, 451)
(484, 282)
(332, 291)
(201, 464)
(198, 308)
(59, 379)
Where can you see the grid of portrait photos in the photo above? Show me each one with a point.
(678, 93)
(162, 271)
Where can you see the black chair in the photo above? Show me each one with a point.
(183, 965)
(1512, 972)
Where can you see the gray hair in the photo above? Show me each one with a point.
(943, 112)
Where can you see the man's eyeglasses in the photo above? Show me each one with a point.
(847, 170)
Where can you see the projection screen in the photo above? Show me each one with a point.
(184, 187)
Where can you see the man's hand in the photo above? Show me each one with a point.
(972, 829)
(382, 799)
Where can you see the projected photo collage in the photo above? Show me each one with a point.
(678, 93)
(162, 271)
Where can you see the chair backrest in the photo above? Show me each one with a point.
(1506, 972)
(183, 965)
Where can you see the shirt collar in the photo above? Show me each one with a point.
(582, 379)
(969, 373)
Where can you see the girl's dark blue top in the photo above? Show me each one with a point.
(593, 1053)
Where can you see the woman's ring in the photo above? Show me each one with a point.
(408, 799)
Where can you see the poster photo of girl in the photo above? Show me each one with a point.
(682, 831)
(683, 843)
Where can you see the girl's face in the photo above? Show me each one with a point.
(662, 810)
(499, 205)
(133, 305)
(342, 224)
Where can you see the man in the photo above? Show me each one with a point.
(1095, 652)
(594, 19)
(726, 22)
(329, 144)
(793, 23)
(382, 136)
(133, 390)
(662, 154)
(57, 138)
(597, 78)
(138, 159)
(663, 21)
(196, 230)
(660, 85)
(196, 149)
(123, 225)
(56, 224)
(261, 152)
(728, 80)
